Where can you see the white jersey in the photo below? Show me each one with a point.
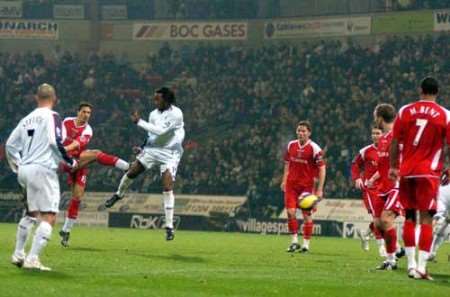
(443, 204)
(37, 140)
(165, 129)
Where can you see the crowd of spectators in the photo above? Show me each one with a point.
(241, 106)
(227, 9)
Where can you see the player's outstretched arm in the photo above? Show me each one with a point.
(173, 123)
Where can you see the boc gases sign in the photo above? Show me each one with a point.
(190, 31)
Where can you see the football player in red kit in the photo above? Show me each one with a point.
(303, 164)
(77, 133)
(388, 206)
(422, 128)
(365, 166)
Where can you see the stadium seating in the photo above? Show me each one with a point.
(241, 106)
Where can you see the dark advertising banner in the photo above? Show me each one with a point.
(201, 223)
(157, 221)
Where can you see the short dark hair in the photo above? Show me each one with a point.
(429, 86)
(167, 94)
(385, 111)
(305, 123)
(375, 126)
(85, 104)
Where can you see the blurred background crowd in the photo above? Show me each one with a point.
(241, 106)
(229, 9)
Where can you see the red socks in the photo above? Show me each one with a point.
(74, 206)
(293, 226)
(426, 237)
(308, 230)
(390, 237)
(105, 159)
(409, 233)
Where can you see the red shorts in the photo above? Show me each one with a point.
(292, 192)
(78, 177)
(419, 193)
(374, 204)
(392, 202)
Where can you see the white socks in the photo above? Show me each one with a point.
(295, 238)
(68, 224)
(122, 165)
(23, 232)
(422, 261)
(305, 243)
(169, 203)
(439, 235)
(125, 182)
(411, 256)
(391, 258)
(380, 242)
(41, 237)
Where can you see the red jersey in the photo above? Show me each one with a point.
(72, 132)
(304, 162)
(367, 160)
(384, 145)
(422, 128)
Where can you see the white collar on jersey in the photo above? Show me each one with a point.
(306, 143)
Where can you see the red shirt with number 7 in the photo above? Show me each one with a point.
(422, 128)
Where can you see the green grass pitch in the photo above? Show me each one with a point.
(125, 262)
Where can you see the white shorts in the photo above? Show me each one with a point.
(443, 205)
(164, 158)
(42, 187)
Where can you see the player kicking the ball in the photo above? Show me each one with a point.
(162, 148)
(423, 129)
(303, 162)
(77, 133)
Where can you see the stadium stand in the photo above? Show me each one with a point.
(241, 105)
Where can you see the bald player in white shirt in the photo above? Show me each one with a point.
(34, 150)
(163, 148)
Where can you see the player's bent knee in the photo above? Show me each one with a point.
(49, 217)
(291, 212)
(135, 169)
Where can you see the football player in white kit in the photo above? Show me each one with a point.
(163, 148)
(34, 150)
(442, 216)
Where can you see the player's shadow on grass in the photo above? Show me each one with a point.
(173, 257)
(86, 249)
(45, 274)
(441, 279)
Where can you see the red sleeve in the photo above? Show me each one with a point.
(83, 140)
(318, 159)
(357, 164)
(448, 134)
(286, 154)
